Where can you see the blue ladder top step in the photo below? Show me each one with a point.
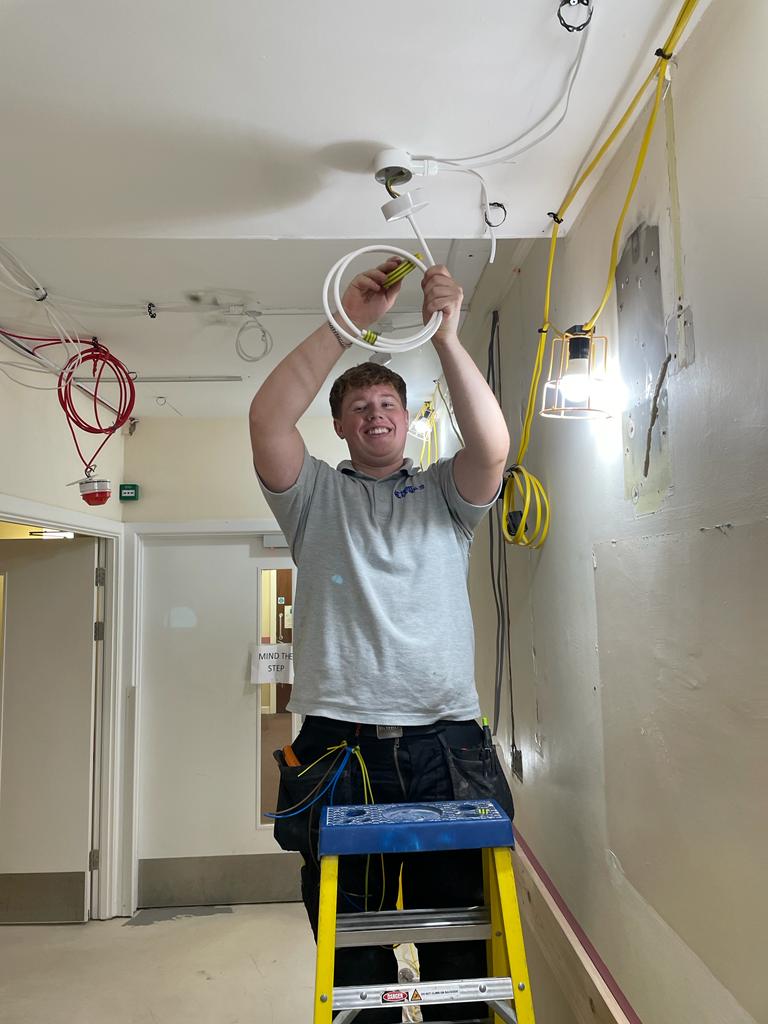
(414, 828)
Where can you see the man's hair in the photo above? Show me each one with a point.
(365, 375)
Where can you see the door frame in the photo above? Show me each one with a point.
(102, 884)
(135, 535)
(268, 563)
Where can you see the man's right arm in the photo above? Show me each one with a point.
(281, 401)
(287, 393)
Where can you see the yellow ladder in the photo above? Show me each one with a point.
(395, 828)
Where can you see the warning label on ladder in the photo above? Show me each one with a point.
(415, 998)
(394, 996)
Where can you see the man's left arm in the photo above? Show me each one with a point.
(478, 468)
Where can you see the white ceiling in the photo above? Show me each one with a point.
(239, 119)
(159, 147)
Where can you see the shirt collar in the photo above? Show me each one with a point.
(407, 468)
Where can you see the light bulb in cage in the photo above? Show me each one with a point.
(575, 384)
(577, 381)
(421, 425)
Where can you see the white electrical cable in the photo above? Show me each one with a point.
(20, 280)
(350, 331)
(45, 365)
(14, 271)
(486, 204)
(506, 152)
(266, 337)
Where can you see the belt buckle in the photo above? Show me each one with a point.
(388, 732)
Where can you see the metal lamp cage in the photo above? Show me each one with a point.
(554, 404)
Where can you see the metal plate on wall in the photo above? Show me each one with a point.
(642, 354)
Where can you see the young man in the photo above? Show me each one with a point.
(384, 644)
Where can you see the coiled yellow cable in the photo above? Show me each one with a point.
(520, 480)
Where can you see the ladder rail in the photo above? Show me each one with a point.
(426, 993)
(385, 927)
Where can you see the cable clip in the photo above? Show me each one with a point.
(664, 56)
(555, 218)
(41, 295)
(499, 206)
(152, 311)
(575, 3)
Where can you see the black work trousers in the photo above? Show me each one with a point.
(444, 761)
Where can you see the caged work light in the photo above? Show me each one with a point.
(421, 425)
(577, 382)
(424, 427)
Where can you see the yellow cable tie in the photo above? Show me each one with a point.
(369, 336)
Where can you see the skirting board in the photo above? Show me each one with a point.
(209, 881)
(46, 897)
(587, 991)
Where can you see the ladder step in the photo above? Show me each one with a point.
(387, 927)
(469, 990)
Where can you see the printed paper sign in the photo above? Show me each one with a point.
(271, 663)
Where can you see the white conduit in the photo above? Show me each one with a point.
(350, 331)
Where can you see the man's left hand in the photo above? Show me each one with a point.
(442, 294)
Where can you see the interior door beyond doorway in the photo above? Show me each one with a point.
(201, 840)
(46, 756)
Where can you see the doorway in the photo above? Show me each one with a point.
(202, 837)
(51, 673)
(277, 727)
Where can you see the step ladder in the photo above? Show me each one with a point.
(419, 828)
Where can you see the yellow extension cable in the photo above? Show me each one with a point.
(520, 481)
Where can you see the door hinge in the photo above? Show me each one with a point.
(98, 631)
(101, 576)
(93, 860)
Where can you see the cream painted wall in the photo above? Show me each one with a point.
(695, 733)
(203, 469)
(37, 456)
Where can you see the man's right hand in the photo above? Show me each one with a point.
(287, 393)
(365, 300)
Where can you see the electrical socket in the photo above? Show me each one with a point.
(517, 762)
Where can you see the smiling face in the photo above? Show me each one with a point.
(374, 424)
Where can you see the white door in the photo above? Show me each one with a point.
(201, 840)
(46, 723)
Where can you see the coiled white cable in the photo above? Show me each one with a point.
(368, 339)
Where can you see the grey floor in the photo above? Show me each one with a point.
(209, 965)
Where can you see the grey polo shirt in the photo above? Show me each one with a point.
(383, 631)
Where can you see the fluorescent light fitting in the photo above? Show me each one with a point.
(52, 534)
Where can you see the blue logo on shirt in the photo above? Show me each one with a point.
(408, 490)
